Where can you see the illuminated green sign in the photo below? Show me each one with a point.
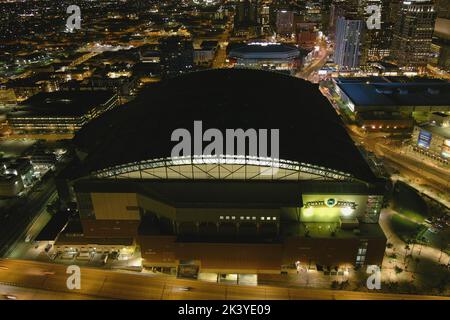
(331, 203)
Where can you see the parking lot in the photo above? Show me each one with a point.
(109, 260)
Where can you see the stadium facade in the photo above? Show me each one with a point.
(224, 213)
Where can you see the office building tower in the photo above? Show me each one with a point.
(348, 39)
(413, 33)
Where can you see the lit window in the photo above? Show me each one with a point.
(274, 218)
(221, 217)
(268, 218)
(248, 218)
(233, 218)
(242, 218)
(227, 217)
(262, 218)
(253, 218)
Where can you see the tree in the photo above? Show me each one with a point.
(398, 270)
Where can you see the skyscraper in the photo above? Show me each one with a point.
(348, 39)
(443, 8)
(376, 43)
(413, 33)
(246, 16)
(285, 22)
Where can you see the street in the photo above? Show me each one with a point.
(417, 172)
(308, 73)
(128, 285)
(23, 212)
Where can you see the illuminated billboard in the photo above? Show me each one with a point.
(446, 149)
(424, 139)
(331, 208)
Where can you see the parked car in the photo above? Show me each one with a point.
(433, 230)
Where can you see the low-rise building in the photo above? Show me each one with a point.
(10, 185)
(440, 119)
(387, 100)
(432, 141)
(59, 112)
(18, 167)
(204, 55)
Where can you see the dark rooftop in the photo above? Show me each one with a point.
(209, 44)
(310, 130)
(65, 103)
(396, 91)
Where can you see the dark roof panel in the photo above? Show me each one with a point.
(310, 130)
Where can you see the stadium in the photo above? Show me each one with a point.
(224, 213)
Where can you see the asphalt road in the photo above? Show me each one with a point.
(318, 63)
(436, 175)
(106, 284)
(436, 178)
(19, 293)
(23, 211)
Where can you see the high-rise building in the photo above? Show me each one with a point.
(443, 8)
(306, 34)
(177, 56)
(376, 42)
(340, 8)
(413, 33)
(348, 39)
(285, 22)
(246, 16)
(264, 18)
(325, 10)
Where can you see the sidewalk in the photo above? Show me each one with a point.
(426, 252)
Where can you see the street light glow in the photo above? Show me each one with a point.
(347, 211)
